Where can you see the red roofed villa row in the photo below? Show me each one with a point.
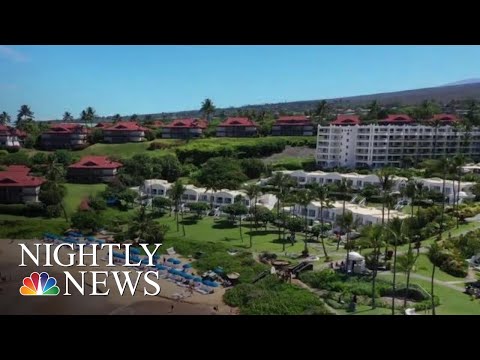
(395, 119)
(237, 127)
(64, 136)
(299, 125)
(10, 137)
(124, 131)
(93, 169)
(184, 128)
(17, 186)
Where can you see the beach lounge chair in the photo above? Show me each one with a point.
(171, 251)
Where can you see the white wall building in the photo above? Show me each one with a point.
(364, 215)
(382, 145)
(356, 181)
(158, 187)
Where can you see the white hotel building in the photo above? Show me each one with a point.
(347, 143)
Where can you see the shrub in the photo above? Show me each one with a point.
(149, 135)
(53, 211)
(97, 203)
(29, 209)
(427, 304)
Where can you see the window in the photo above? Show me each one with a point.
(192, 197)
(228, 201)
(311, 213)
(154, 191)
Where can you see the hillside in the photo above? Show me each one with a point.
(442, 94)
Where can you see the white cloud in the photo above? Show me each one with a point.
(11, 54)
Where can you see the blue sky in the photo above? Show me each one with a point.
(154, 79)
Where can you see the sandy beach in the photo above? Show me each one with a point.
(11, 302)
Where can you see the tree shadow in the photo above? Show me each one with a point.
(261, 232)
(189, 221)
(224, 224)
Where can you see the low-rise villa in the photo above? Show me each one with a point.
(184, 129)
(93, 169)
(158, 187)
(237, 127)
(9, 138)
(123, 132)
(17, 186)
(363, 215)
(298, 125)
(64, 136)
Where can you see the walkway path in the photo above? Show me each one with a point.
(449, 284)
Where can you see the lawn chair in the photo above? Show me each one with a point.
(171, 251)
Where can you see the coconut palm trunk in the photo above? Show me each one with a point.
(432, 289)
(322, 225)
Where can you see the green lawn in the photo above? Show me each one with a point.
(19, 227)
(424, 267)
(77, 192)
(208, 230)
(366, 310)
(452, 302)
(124, 150)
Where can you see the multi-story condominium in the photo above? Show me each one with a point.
(346, 143)
(9, 138)
(237, 127)
(362, 215)
(93, 169)
(184, 129)
(17, 186)
(123, 132)
(64, 136)
(299, 125)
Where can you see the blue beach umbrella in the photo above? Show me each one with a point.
(210, 283)
(176, 261)
(187, 266)
(161, 267)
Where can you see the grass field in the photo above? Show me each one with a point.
(452, 302)
(424, 267)
(77, 192)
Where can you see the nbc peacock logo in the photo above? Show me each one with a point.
(39, 285)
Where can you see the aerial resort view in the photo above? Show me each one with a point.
(126, 190)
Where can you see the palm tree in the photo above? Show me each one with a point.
(176, 192)
(385, 176)
(87, 116)
(374, 236)
(344, 188)
(436, 124)
(155, 233)
(278, 181)
(321, 194)
(141, 223)
(240, 210)
(458, 161)
(207, 108)
(4, 118)
(395, 228)
(55, 176)
(116, 118)
(434, 252)
(253, 191)
(24, 116)
(347, 222)
(134, 117)
(67, 117)
(407, 261)
(304, 198)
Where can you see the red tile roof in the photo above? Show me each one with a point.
(238, 121)
(346, 120)
(299, 120)
(187, 123)
(84, 206)
(11, 131)
(396, 119)
(102, 125)
(125, 126)
(17, 176)
(157, 124)
(95, 162)
(66, 128)
(444, 118)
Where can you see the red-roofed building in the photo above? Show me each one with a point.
(65, 136)
(345, 120)
(17, 186)
(10, 137)
(123, 132)
(396, 119)
(184, 129)
(237, 127)
(93, 169)
(157, 124)
(298, 125)
(102, 125)
(444, 119)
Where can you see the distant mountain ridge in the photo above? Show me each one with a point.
(468, 89)
(463, 82)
